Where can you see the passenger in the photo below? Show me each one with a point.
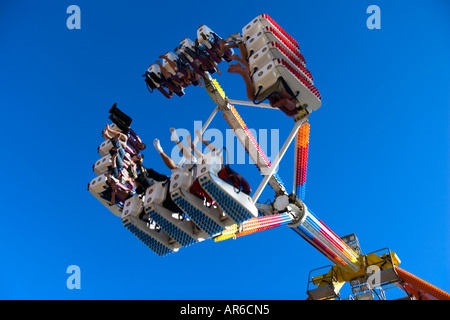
(206, 63)
(201, 63)
(116, 136)
(153, 82)
(166, 159)
(116, 163)
(115, 193)
(184, 74)
(146, 177)
(235, 41)
(167, 81)
(215, 50)
(117, 151)
(131, 168)
(195, 189)
(226, 173)
(129, 139)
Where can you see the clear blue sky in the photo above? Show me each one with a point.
(378, 157)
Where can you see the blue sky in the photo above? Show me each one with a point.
(378, 157)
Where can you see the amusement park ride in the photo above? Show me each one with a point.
(224, 209)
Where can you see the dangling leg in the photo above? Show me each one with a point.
(236, 42)
(287, 101)
(109, 133)
(243, 58)
(239, 59)
(167, 160)
(185, 151)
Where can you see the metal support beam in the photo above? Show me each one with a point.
(273, 167)
(205, 126)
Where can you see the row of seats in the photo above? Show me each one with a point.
(275, 62)
(121, 182)
(190, 61)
